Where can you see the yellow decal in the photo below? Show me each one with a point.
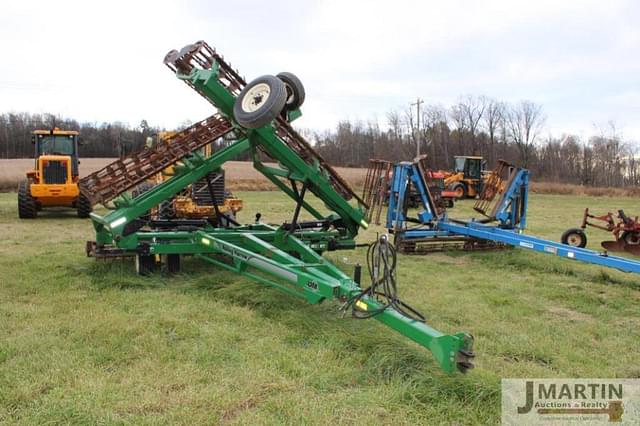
(361, 305)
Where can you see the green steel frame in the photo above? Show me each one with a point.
(289, 260)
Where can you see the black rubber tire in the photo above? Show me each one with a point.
(139, 190)
(27, 206)
(83, 207)
(268, 109)
(166, 209)
(145, 264)
(173, 263)
(631, 238)
(574, 237)
(459, 188)
(295, 90)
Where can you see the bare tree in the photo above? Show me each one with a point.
(436, 133)
(395, 124)
(472, 108)
(493, 118)
(525, 122)
(459, 122)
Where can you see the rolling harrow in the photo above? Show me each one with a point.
(257, 116)
(106, 184)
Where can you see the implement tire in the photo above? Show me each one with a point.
(574, 237)
(27, 206)
(260, 102)
(295, 90)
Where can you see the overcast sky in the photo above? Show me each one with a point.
(102, 61)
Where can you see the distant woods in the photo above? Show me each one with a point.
(473, 126)
(98, 140)
(492, 129)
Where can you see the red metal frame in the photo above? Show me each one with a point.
(623, 224)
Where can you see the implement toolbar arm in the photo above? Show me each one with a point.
(205, 81)
(113, 227)
(310, 277)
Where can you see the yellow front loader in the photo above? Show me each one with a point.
(54, 180)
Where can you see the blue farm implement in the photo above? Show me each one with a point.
(503, 203)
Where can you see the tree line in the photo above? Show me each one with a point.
(98, 140)
(478, 125)
(475, 125)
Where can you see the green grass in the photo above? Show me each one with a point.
(90, 342)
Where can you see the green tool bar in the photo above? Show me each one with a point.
(315, 279)
(207, 84)
(110, 228)
(448, 350)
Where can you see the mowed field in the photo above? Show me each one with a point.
(90, 342)
(240, 174)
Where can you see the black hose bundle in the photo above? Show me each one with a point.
(381, 262)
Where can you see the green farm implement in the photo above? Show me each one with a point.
(256, 118)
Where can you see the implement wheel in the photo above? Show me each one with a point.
(260, 102)
(173, 263)
(295, 90)
(574, 237)
(27, 206)
(145, 264)
(83, 206)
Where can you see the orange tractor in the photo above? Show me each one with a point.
(54, 180)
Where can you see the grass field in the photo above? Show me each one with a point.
(90, 342)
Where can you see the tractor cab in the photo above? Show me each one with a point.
(471, 167)
(467, 176)
(51, 148)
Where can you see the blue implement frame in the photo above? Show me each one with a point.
(509, 218)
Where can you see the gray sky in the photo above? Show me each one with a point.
(102, 61)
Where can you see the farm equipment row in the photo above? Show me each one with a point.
(255, 119)
(503, 203)
(378, 182)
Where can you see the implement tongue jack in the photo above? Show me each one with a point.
(288, 257)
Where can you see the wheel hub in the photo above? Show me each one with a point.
(256, 97)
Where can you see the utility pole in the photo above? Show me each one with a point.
(417, 104)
